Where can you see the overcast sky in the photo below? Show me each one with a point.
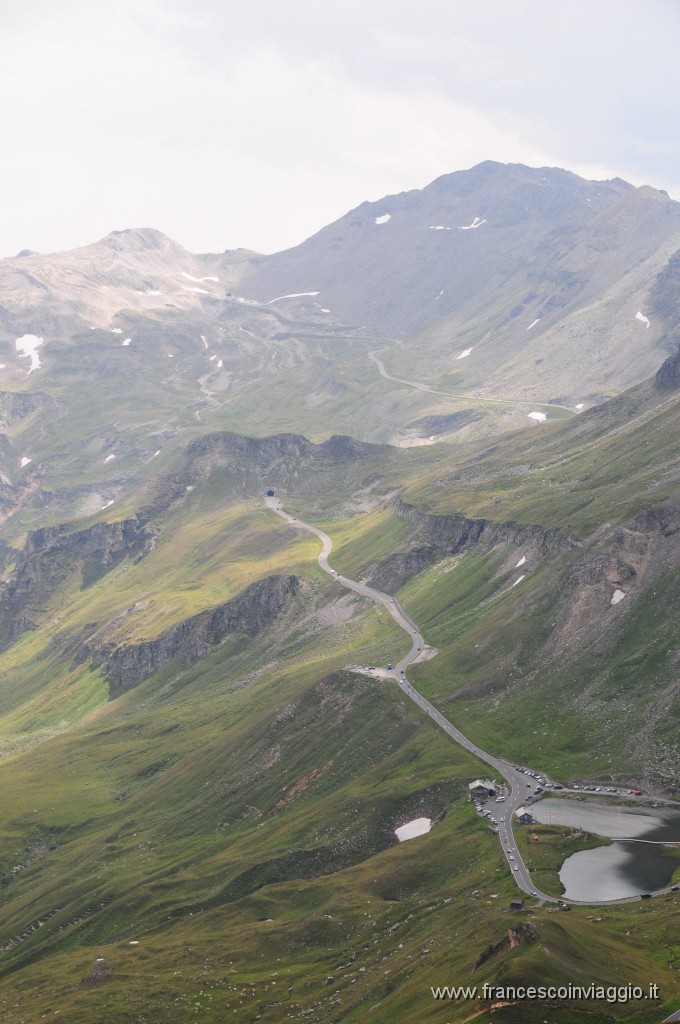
(254, 123)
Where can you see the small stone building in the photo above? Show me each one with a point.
(480, 789)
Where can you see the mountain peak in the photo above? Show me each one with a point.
(492, 172)
(139, 239)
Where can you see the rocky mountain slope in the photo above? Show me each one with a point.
(537, 279)
(405, 260)
(513, 285)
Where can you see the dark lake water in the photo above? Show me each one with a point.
(624, 868)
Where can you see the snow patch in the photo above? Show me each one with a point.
(466, 352)
(170, 355)
(195, 291)
(579, 406)
(642, 318)
(218, 364)
(107, 505)
(292, 295)
(521, 561)
(204, 341)
(27, 345)
(617, 596)
(325, 310)
(116, 330)
(2, 366)
(213, 357)
(538, 416)
(417, 827)
(25, 461)
(518, 580)
(156, 453)
(149, 291)
(127, 342)
(536, 321)
(383, 218)
(477, 223)
(438, 227)
(199, 279)
(109, 457)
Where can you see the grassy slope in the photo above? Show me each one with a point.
(605, 466)
(209, 799)
(161, 834)
(499, 669)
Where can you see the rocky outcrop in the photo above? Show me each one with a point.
(454, 533)
(517, 935)
(445, 535)
(126, 665)
(521, 933)
(18, 405)
(390, 573)
(668, 375)
(447, 424)
(489, 951)
(247, 464)
(54, 553)
(664, 297)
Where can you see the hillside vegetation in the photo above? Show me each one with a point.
(203, 768)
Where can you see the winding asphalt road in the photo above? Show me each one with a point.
(519, 786)
(468, 398)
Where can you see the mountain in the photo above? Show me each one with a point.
(514, 265)
(405, 260)
(137, 271)
(494, 292)
(204, 762)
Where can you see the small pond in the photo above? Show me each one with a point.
(623, 868)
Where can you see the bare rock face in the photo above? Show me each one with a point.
(454, 533)
(517, 935)
(443, 535)
(668, 375)
(18, 405)
(288, 461)
(521, 933)
(447, 424)
(250, 611)
(54, 553)
(393, 571)
(491, 949)
(665, 294)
